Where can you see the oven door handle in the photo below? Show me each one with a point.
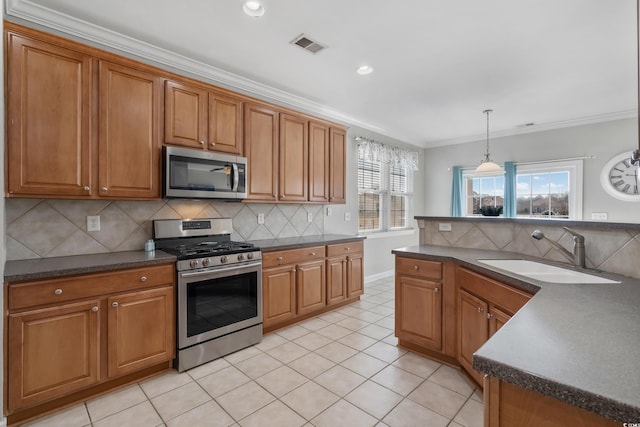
(221, 270)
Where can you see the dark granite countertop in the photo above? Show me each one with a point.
(304, 241)
(47, 268)
(578, 343)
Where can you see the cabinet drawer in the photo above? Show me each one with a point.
(22, 295)
(504, 296)
(419, 267)
(292, 256)
(344, 248)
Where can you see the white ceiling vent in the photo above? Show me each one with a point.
(307, 44)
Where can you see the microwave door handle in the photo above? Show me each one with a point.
(236, 178)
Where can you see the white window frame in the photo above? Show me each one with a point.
(466, 174)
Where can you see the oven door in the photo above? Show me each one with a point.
(217, 301)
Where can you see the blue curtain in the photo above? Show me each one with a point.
(456, 192)
(509, 190)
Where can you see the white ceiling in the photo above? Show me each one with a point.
(438, 63)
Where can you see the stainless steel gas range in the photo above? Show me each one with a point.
(219, 288)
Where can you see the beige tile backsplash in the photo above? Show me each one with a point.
(47, 228)
(614, 250)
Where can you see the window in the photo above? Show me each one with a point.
(384, 196)
(543, 190)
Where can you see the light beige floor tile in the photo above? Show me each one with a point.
(311, 365)
(258, 365)
(454, 424)
(369, 316)
(437, 398)
(385, 352)
(397, 380)
(274, 414)
(332, 317)
(287, 352)
(390, 304)
(339, 380)
(386, 322)
(116, 401)
(223, 380)
(292, 332)
(452, 379)
(208, 368)
(417, 365)
(357, 341)
(374, 399)
(334, 332)
(282, 381)
(343, 413)
(270, 341)
(477, 395)
(209, 414)
(407, 413)
(336, 352)
(241, 355)
(312, 341)
(470, 415)
(164, 383)
(380, 309)
(141, 415)
(364, 305)
(350, 310)
(75, 416)
(381, 424)
(314, 324)
(391, 340)
(180, 400)
(375, 331)
(378, 299)
(364, 364)
(245, 400)
(309, 399)
(352, 323)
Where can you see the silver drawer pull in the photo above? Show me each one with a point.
(279, 258)
(436, 290)
(347, 249)
(143, 279)
(480, 309)
(114, 304)
(312, 254)
(95, 308)
(58, 292)
(415, 267)
(86, 188)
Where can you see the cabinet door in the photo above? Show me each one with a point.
(48, 107)
(294, 157)
(225, 124)
(52, 352)
(278, 295)
(473, 330)
(261, 150)
(318, 162)
(336, 280)
(140, 330)
(497, 319)
(337, 164)
(129, 146)
(311, 289)
(419, 312)
(355, 275)
(185, 115)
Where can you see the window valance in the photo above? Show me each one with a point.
(380, 152)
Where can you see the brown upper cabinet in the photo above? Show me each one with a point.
(337, 165)
(294, 155)
(199, 118)
(79, 126)
(318, 162)
(261, 150)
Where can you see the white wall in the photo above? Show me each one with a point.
(603, 140)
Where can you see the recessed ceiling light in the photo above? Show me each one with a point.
(364, 70)
(253, 8)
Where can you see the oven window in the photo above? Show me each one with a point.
(215, 303)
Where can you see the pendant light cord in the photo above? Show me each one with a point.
(635, 155)
(486, 154)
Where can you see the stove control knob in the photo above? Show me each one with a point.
(223, 259)
(193, 263)
(240, 257)
(250, 255)
(206, 262)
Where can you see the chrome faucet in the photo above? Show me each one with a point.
(577, 257)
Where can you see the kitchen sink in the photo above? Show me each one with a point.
(545, 272)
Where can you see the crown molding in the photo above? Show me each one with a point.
(63, 23)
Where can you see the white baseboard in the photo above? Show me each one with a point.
(378, 276)
(3, 422)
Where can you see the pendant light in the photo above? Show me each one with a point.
(487, 167)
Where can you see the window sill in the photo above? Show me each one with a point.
(384, 234)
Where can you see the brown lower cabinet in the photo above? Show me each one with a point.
(66, 335)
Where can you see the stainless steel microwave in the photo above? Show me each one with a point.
(197, 174)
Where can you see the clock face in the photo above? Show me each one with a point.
(620, 178)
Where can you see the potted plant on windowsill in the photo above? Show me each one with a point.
(491, 210)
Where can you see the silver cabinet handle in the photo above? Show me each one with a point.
(143, 279)
(282, 197)
(489, 315)
(312, 254)
(95, 308)
(201, 142)
(213, 144)
(347, 249)
(436, 289)
(86, 188)
(114, 304)
(279, 258)
(104, 189)
(415, 267)
(58, 292)
(480, 309)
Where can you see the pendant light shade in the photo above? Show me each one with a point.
(487, 167)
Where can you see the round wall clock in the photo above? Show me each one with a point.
(619, 178)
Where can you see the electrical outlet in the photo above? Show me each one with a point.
(93, 223)
(444, 226)
(329, 211)
(599, 215)
(347, 216)
(260, 218)
(309, 217)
